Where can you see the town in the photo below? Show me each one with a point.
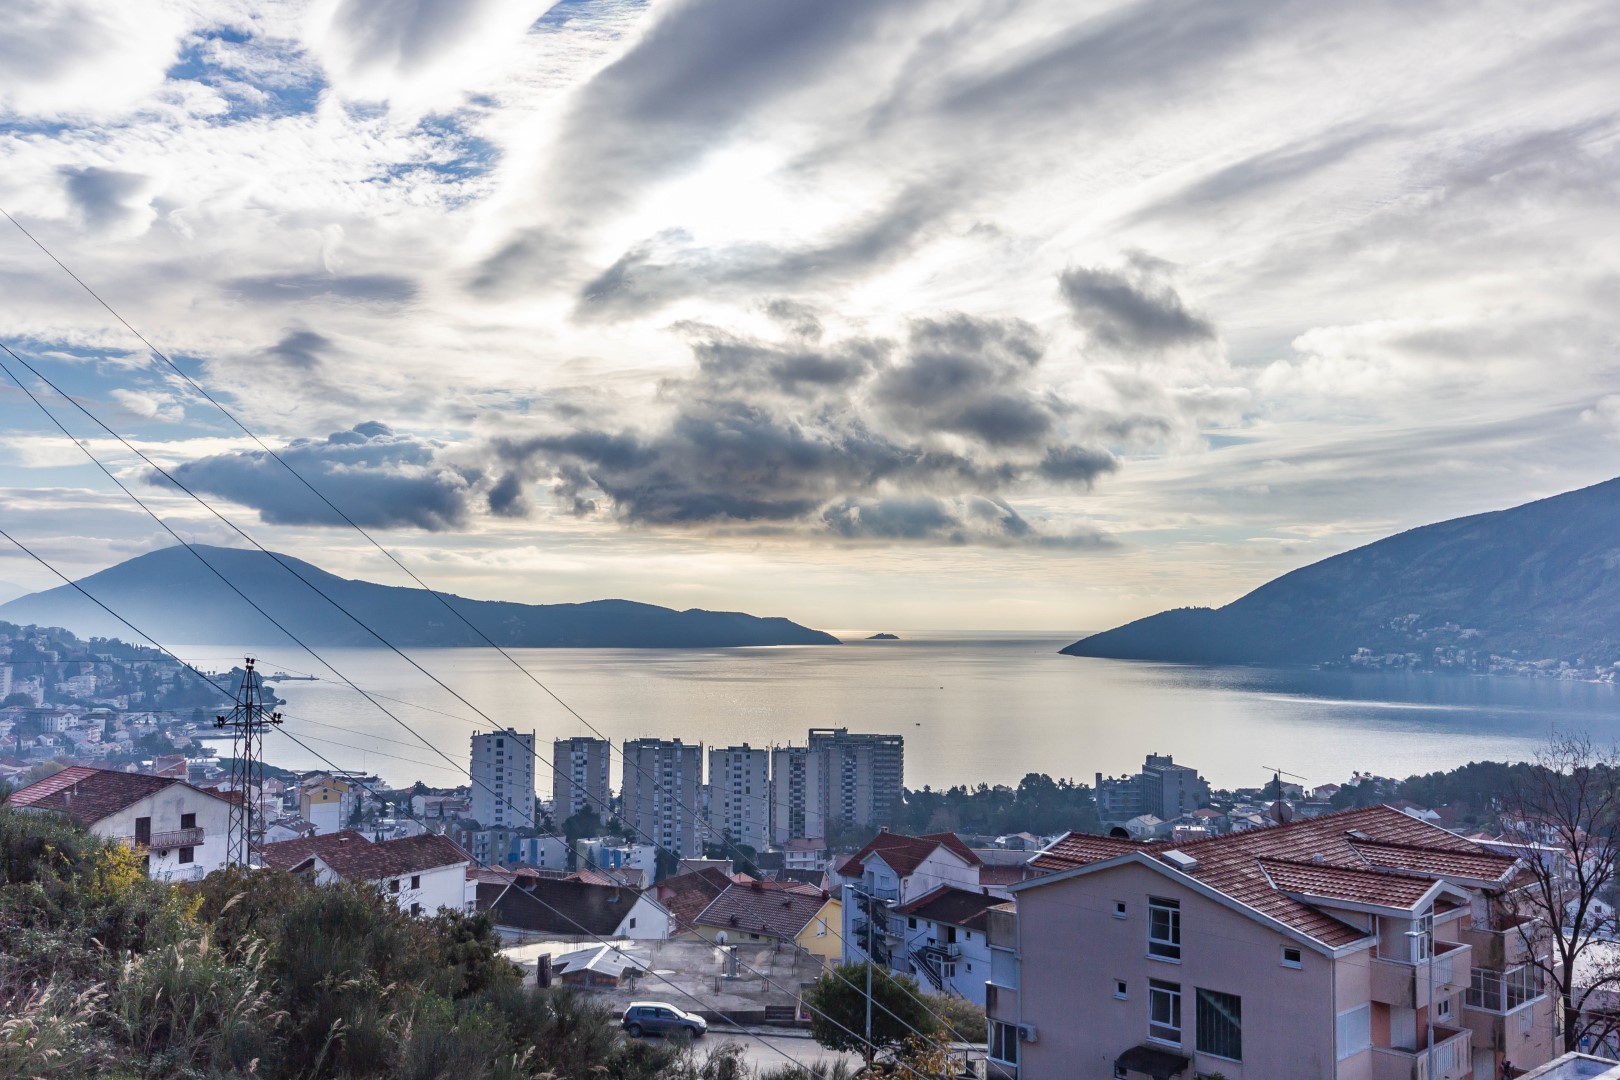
(1122, 923)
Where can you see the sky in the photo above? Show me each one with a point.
(990, 314)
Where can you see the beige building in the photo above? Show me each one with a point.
(739, 795)
(663, 784)
(579, 778)
(860, 775)
(1341, 947)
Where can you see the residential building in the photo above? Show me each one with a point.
(1336, 947)
(420, 874)
(796, 794)
(739, 795)
(328, 802)
(1162, 789)
(663, 780)
(804, 853)
(529, 908)
(861, 775)
(946, 941)
(444, 807)
(579, 778)
(893, 870)
(180, 830)
(773, 911)
(612, 853)
(503, 779)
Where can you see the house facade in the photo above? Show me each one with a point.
(422, 875)
(178, 829)
(1341, 947)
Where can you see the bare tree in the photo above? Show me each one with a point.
(1564, 813)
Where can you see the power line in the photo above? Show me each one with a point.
(698, 818)
(586, 932)
(232, 586)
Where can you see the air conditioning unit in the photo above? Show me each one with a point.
(1026, 1033)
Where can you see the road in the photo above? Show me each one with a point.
(777, 1049)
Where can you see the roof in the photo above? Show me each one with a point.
(903, 854)
(957, 907)
(548, 906)
(602, 959)
(805, 843)
(686, 895)
(352, 857)
(778, 913)
(1344, 856)
(88, 795)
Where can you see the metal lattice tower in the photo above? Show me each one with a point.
(247, 722)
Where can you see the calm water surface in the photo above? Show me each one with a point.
(973, 707)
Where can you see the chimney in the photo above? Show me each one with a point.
(1318, 860)
(883, 828)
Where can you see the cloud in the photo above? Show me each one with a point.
(1132, 308)
(62, 58)
(378, 478)
(110, 200)
(148, 406)
(859, 438)
(376, 289)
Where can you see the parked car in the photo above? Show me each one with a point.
(661, 1018)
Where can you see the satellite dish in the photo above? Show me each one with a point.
(720, 938)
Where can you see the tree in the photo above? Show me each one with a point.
(837, 1004)
(17, 698)
(1565, 812)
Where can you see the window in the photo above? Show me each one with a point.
(416, 881)
(188, 821)
(1121, 989)
(911, 923)
(1164, 928)
(1292, 957)
(1164, 1011)
(188, 854)
(1119, 909)
(416, 909)
(1004, 1042)
(1503, 991)
(393, 886)
(1442, 1009)
(1354, 1031)
(1219, 1019)
(632, 924)
(1422, 937)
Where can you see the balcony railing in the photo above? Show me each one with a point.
(1407, 985)
(1453, 1058)
(1506, 947)
(171, 838)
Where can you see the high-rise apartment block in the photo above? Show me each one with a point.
(796, 806)
(1170, 790)
(663, 782)
(579, 778)
(739, 795)
(861, 775)
(503, 779)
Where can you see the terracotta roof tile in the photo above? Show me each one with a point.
(1342, 883)
(957, 907)
(353, 858)
(685, 895)
(548, 906)
(903, 853)
(777, 913)
(87, 795)
(1476, 865)
(1080, 849)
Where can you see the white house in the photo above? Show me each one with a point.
(944, 940)
(421, 874)
(181, 829)
(527, 907)
(894, 870)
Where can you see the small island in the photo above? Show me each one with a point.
(884, 637)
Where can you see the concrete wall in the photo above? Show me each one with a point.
(165, 808)
(1074, 949)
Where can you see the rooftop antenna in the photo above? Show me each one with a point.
(247, 722)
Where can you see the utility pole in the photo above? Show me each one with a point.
(869, 962)
(247, 722)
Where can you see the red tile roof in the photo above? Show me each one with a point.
(1352, 841)
(685, 895)
(353, 858)
(947, 904)
(777, 913)
(903, 854)
(87, 795)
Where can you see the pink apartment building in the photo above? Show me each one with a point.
(1327, 949)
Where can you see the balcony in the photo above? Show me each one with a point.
(162, 841)
(1000, 1002)
(1453, 1058)
(1506, 947)
(1406, 985)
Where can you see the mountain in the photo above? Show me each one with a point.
(1522, 589)
(168, 593)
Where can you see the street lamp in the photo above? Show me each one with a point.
(1426, 933)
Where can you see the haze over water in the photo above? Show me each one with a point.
(974, 707)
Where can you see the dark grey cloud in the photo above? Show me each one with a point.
(860, 438)
(379, 478)
(1132, 308)
(367, 288)
(301, 349)
(107, 198)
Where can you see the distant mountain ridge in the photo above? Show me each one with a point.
(1527, 589)
(169, 594)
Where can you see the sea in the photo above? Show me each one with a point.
(974, 707)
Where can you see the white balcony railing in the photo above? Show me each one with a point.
(169, 838)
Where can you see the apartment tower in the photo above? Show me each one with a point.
(663, 784)
(861, 775)
(579, 778)
(503, 779)
(739, 795)
(796, 807)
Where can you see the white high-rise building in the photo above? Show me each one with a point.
(796, 807)
(503, 779)
(579, 778)
(739, 795)
(663, 783)
(861, 775)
